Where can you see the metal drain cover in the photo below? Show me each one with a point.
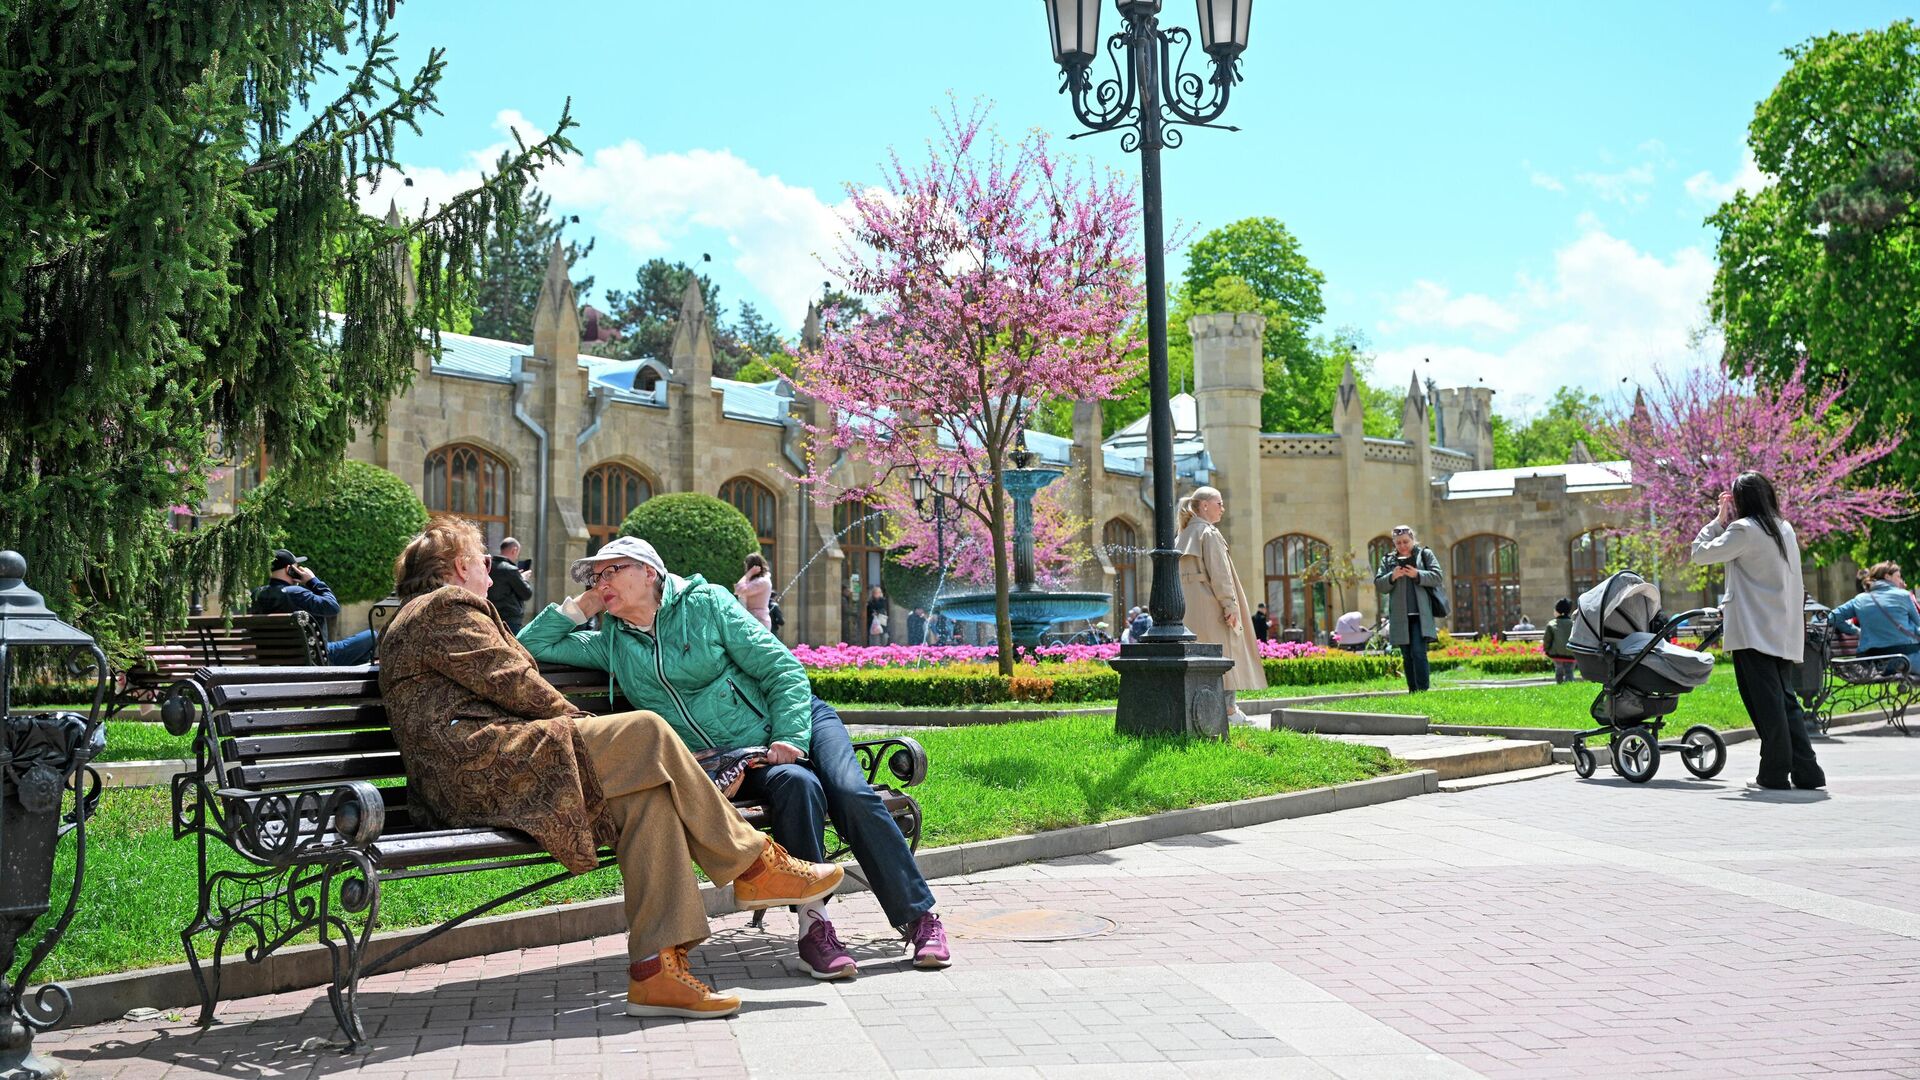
(1026, 924)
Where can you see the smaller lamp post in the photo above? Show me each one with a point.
(43, 757)
(943, 486)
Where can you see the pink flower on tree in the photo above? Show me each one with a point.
(994, 276)
(1702, 428)
(1058, 548)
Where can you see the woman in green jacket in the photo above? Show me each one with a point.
(688, 651)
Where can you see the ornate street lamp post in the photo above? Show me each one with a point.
(1168, 682)
(43, 758)
(943, 486)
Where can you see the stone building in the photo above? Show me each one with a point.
(555, 447)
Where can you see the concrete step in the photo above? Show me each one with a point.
(1474, 783)
(1481, 757)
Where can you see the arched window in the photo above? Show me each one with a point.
(1292, 599)
(1587, 560)
(608, 494)
(1121, 541)
(1378, 548)
(860, 529)
(754, 500)
(1486, 584)
(472, 483)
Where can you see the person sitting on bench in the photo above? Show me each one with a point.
(688, 650)
(1884, 616)
(292, 587)
(489, 743)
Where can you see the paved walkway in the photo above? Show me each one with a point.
(1545, 929)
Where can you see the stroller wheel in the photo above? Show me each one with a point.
(1583, 761)
(1703, 751)
(1637, 755)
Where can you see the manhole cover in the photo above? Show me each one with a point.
(1027, 924)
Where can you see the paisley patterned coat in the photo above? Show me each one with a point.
(487, 741)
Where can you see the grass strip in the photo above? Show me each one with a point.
(985, 782)
(1564, 705)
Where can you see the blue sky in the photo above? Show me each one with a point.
(1510, 192)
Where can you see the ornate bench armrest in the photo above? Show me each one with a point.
(287, 826)
(904, 759)
(1871, 669)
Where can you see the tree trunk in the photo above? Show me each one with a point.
(1002, 611)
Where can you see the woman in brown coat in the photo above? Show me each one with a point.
(489, 743)
(1217, 609)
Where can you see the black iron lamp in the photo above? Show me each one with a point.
(1167, 682)
(44, 758)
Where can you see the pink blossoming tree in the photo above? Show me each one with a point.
(994, 276)
(1702, 428)
(1058, 548)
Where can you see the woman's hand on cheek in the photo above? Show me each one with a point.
(590, 603)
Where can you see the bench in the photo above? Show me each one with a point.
(1859, 683)
(296, 639)
(1525, 635)
(296, 771)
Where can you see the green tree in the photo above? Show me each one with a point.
(695, 534)
(756, 335)
(513, 265)
(1548, 439)
(353, 528)
(1824, 262)
(1263, 254)
(647, 315)
(187, 266)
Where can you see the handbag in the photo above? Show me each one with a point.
(1436, 600)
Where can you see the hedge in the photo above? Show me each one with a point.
(1329, 668)
(352, 533)
(695, 534)
(966, 684)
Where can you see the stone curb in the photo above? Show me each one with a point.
(1328, 722)
(106, 998)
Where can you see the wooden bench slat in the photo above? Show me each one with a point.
(293, 720)
(254, 751)
(266, 695)
(341, 769)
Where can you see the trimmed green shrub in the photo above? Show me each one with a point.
(966, 684)
(695, 534)
(909, 586)
(1512, 665)
(353, 530)
(1329, 668)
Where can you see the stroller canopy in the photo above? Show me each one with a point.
(1621, 610)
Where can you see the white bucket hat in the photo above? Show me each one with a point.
(620, 547)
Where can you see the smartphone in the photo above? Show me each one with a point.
(526, 564)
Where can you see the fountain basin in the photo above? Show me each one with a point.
(1029, 612)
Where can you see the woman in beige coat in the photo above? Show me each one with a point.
(1217, 608)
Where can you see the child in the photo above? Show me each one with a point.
(1554, 644)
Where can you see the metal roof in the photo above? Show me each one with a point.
(1493, 483)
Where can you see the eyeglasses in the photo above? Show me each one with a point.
(1403, 532)
(599, 576)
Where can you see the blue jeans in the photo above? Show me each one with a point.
(351, 651)
(830, 785)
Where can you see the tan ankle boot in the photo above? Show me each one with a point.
(662, 986)
(777, 879)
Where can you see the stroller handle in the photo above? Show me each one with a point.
(1706, 641)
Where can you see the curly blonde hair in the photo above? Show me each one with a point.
(427, 562)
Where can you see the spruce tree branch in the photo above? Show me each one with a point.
(322, 136)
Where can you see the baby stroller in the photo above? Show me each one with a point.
(1620, 641)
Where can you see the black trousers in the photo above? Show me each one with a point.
(1766, 689)
(1413, 655)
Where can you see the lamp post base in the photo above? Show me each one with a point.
(1172, 688)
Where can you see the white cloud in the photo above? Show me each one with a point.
(1541, 179)
(1627, 187)
(778, 232)
(1609, 311)
(1428, 303)
(1747, 178)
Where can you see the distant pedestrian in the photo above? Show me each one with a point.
(754, 590)
(1138, 623)
(1409, 576)
(1217, 610)
(1525, 624)
(877, 616)
(917, 626)
(511, 588)
(1884, 617)
(1555, 644)
(1260, 623)
(1765, 629)
(292, 587)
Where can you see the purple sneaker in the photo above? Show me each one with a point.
(929, 939)
(823, 954)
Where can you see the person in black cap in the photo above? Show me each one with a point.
(292, 587)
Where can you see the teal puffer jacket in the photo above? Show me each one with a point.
(716, 675)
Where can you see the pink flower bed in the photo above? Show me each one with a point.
(828, 657)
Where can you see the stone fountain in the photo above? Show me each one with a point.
(1031, 608)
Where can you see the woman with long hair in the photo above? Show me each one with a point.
(754, 590)
(1883, 615)
(1217, 608)
(1764, 618)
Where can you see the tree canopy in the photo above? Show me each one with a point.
(187, 268)
(514, 264)
(1822, 265)
(1571, 417)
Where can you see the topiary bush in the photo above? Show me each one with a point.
(695, 534)
(353, 529)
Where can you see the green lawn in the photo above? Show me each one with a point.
(135, 740)
(984, 782)
(1716, 704)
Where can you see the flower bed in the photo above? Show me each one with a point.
(965, 684)
(836, 657)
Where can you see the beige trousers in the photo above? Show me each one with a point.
(670, 816)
